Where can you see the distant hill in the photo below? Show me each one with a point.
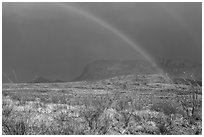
(104, 69)
(182, 68)
(44, 80)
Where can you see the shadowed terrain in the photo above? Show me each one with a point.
(176, 69)
(44, 80)
(109, 68)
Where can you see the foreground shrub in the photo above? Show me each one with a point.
(164, 107)
(37, 118)
(13, 127)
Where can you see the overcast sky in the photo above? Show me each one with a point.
(56, 40)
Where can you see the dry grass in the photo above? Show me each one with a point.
(128, 110)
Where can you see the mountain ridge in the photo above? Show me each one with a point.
(103, 69)
(40, 79)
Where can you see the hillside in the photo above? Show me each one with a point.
(175, 69)
(182, 68)
(44, 80)
(104, 69)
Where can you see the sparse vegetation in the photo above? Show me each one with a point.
(150, 108)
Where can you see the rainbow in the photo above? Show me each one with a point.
(112, 29)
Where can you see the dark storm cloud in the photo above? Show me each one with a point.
(171, 29)
(46, 40)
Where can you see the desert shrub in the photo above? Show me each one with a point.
(147, 122)
(112, 120)
(179, 125)
(12, 124)
(92, 115)
(192, 110)
(121, 105)
(95, 107)
(69, 126)
(191, 103)
(136, 105)
(104, 125)
(12, 127)
(166, 107)
(7, 107)
(6, 112)
(126, 117)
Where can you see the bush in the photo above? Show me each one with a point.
(12, 127)
(166, 107)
